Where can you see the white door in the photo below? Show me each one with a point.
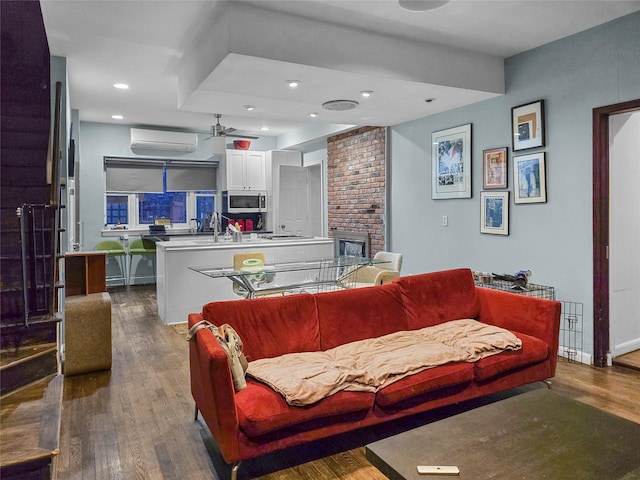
(624, 233)
(293, 218)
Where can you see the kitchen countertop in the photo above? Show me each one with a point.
(208, 243)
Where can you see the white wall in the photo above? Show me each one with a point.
(554, 240)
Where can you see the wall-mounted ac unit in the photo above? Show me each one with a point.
(163, 140)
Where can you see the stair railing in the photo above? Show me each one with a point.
(40, 235)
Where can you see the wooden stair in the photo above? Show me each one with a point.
(30, 383)
(30, 434)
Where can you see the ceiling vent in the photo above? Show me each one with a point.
(163, 140)
(340, 105)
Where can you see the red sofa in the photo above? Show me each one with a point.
(257, 420)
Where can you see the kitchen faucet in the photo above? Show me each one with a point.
(214, 226)
(216, 222)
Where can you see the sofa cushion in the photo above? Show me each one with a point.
(533, 351)
(270, 326)
(356, 314)
(261, 410)
(425, 381)
(437, 297)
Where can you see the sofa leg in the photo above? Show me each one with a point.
(547, 383)
(234, 470)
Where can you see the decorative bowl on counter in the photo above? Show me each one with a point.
(242, 144)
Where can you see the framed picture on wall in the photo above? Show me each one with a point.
(527, 125)
(529, 178)
(451, 163)
(494, 168)
(494, 213)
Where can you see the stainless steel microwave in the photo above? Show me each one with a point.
(244, 201)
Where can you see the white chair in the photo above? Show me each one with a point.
(378, 274)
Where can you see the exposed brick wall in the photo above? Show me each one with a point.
(356, 183)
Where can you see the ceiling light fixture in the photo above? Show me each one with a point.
(421, 5)
(366, 93)
(117, 117)
(340, 105)
(264, 129)
(249, 108)
(121, 86)
(293, 83)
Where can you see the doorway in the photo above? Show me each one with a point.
(602, 227)
(300, 200)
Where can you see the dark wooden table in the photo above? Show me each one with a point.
(534, 435)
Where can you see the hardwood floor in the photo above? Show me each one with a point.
(135, 421)
(629, 360)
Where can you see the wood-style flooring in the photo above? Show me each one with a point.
(629, 360)
(135, 421)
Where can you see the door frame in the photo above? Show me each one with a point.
(601, 320)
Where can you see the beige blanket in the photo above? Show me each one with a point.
(368, 365)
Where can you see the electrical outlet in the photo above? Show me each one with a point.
(445, 221)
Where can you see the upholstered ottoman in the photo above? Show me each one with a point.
(87, 333)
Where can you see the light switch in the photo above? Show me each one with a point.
(445, 221)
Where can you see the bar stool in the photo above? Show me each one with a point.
(115, 249)
(142, 247)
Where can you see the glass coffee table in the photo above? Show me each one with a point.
(293, 277)
(534, 435)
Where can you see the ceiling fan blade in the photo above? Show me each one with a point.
(243, 136)
(218, 130)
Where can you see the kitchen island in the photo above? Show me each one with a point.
(181, 291)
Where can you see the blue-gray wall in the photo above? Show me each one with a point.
(554, 240)
(103, 139)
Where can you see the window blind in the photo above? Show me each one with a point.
(133, 176)
(191, 176)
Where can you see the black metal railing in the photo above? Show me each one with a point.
(38, 232)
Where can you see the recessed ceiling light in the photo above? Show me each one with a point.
(121, 86)
(249, 108)
(366, 93)
(293, 83)
(117, 117)
(313, 114)
(421, 5)
(264, 129)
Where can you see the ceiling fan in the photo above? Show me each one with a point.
(218, 130)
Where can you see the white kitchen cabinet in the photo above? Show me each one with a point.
(246, 170)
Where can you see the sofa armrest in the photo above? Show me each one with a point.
(212, 389)
(537, 317)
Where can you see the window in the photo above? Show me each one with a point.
(205, 203)
(171, 205)
(138, 191)
(117, 209)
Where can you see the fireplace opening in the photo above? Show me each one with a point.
(350, 244)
